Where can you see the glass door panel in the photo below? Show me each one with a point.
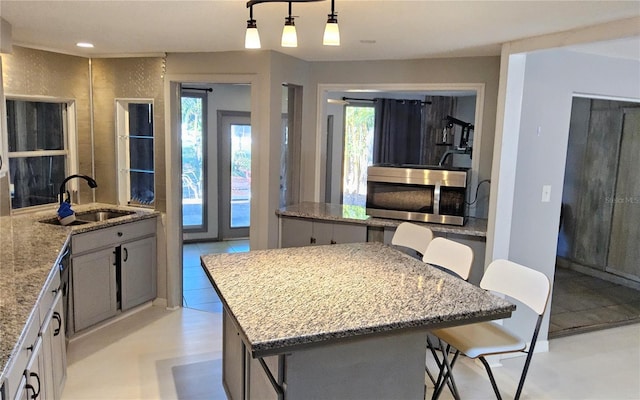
(240, 175)
(234, 174)
(193, 163)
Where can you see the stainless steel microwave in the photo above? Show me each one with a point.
(418, 193)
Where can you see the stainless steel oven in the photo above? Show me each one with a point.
(418, 193)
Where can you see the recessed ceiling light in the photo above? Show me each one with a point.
(84, 44)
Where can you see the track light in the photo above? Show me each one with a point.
(331, 30)
(289, 35)
(252, 37)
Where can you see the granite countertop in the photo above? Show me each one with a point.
(358, 215)
(28, 252)
(286, 299)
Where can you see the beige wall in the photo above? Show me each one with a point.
(41, 73)
(130, 78)
(28, 72)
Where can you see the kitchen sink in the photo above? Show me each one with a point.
(54, 221)
(101, 215)
(87, 217)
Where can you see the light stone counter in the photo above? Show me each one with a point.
(357, 215)
(293, 298)
(28, 252)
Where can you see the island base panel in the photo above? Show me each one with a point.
(379, 367)
(389, 367)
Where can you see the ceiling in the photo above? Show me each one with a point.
(370, 30)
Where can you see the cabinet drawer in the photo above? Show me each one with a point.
(51, 288)
(112, 235)
(19, 360)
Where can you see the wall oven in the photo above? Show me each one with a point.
(418, 193)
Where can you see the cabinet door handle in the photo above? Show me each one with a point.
(57, 317)
(119, 234)
(126, 254)
(313, 240)
(333, 241)
(35, 393)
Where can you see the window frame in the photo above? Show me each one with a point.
(69, 139)
(123, 162)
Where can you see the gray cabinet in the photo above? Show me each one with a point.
(94, 288)
(138, 266)
(54, 350)
(34, 373)
(232, 359)
(113, 269)
(38, 368)
(297, 232)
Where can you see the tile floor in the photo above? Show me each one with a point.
(197, 290)
(582, 303)
(162, 354)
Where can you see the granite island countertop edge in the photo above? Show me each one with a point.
(273, 340)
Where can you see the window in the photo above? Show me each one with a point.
(136, 171)
(38, 150)
(358, 153)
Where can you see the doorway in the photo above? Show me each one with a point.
(202, 234)
(597, 279)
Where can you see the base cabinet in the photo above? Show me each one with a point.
(94, 288)
(232, 359)
(113, 270)
(54, 351)
(297, 232)
(138, 266)
(38, 369)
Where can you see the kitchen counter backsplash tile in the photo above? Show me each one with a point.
(358, 215)
(28, 252)
(296, 296)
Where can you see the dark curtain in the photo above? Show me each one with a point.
(397, 134)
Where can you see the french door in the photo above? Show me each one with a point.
(234, 155)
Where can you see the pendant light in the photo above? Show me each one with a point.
(289, 36)
(331, 30)
(252, 37)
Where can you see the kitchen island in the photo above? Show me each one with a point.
(338, 321)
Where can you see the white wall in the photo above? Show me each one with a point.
(550, 81)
